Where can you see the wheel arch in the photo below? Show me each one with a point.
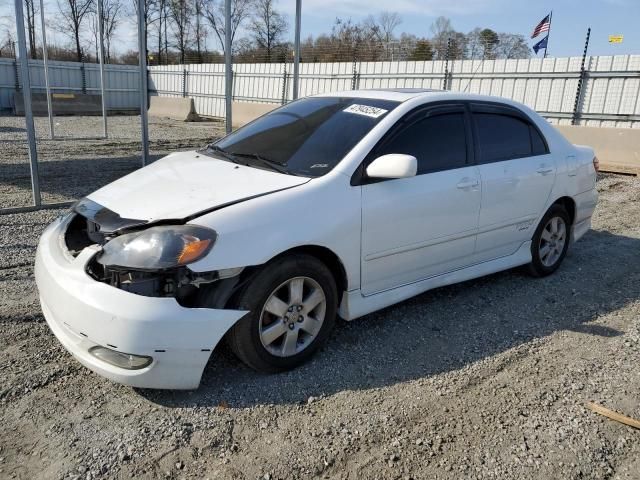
(335, 265)
(569, 205)
(329, 258)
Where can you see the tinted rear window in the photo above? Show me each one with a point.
(309, 136)
(501, 137)
(538, 145)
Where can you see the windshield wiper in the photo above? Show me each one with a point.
(278, 167)
(228, 155)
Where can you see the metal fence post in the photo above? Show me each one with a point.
(233, 84)
(576, 105)
(101, 59)
(143, 72)
(354, 77)
(26, 95)
(446, 65)
(17, 76)
(185, 76)
(296, 51)
(45, 59)
(284, 84)
(83, 78)
(228, 78)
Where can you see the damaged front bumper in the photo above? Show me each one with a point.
(84, 313)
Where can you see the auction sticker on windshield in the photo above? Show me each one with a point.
(366, 110)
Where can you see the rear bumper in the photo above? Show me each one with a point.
(83, 313)
(585, 206)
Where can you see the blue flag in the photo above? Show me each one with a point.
(541, 44)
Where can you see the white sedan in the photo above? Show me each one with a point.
(337, 204)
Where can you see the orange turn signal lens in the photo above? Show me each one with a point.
(193, 251)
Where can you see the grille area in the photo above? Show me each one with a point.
(81, 233)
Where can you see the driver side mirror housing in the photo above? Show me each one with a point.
(393, 165)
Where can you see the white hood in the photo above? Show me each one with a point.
(183, 184)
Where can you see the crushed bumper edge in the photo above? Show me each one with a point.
(83, 313)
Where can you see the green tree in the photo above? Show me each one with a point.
(422, 51)
(488, 41)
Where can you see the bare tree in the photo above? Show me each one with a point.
(148, 16)
(7, 42)
(382, 28)
(268, 26)
(388, 22)
(72, 14)
(474, 44)
(112, 11)
(180, 13)
(30, 18)
(441, 30)
(200, 33)
(162, 13)
(512, 45)
(214, 13)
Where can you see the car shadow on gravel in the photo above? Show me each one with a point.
(441, 330)
(12, 130)
(63, 179)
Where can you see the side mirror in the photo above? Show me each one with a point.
(393, 165)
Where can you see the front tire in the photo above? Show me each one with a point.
(550, 242)
(292, 303)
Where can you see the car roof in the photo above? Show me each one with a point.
(395, 94)
(404, 94)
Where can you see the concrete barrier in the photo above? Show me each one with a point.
(176, 108)
(62, 104)
(245, 112)
(617, 149)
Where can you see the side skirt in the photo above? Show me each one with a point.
(355, 305)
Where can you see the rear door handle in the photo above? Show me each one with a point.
(467, 183)
(544, 170)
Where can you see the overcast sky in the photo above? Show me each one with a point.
(570, 20)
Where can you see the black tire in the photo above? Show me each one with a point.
(244, 337)
(538, 266)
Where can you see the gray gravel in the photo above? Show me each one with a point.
(78, 159)
(486, 379)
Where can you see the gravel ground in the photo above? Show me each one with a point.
(486, 379)
(78, 160)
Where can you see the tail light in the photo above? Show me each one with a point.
(596, 163)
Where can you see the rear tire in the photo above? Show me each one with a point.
(292, 303)
(550, 242)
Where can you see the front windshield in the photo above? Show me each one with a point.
(307, 137)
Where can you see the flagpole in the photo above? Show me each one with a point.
(548, 34)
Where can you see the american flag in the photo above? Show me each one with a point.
(543, 26)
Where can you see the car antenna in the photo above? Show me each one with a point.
(473, 75)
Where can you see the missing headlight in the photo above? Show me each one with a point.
(180, 283)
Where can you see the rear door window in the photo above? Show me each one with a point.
(503, 133)
(538, 145)
(501, 137)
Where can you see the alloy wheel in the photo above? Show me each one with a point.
(292, 316)
(552, 241)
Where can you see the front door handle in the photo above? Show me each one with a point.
(544, 170)
(467, 183)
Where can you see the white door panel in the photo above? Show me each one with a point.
(514, 193)
(418, 227)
